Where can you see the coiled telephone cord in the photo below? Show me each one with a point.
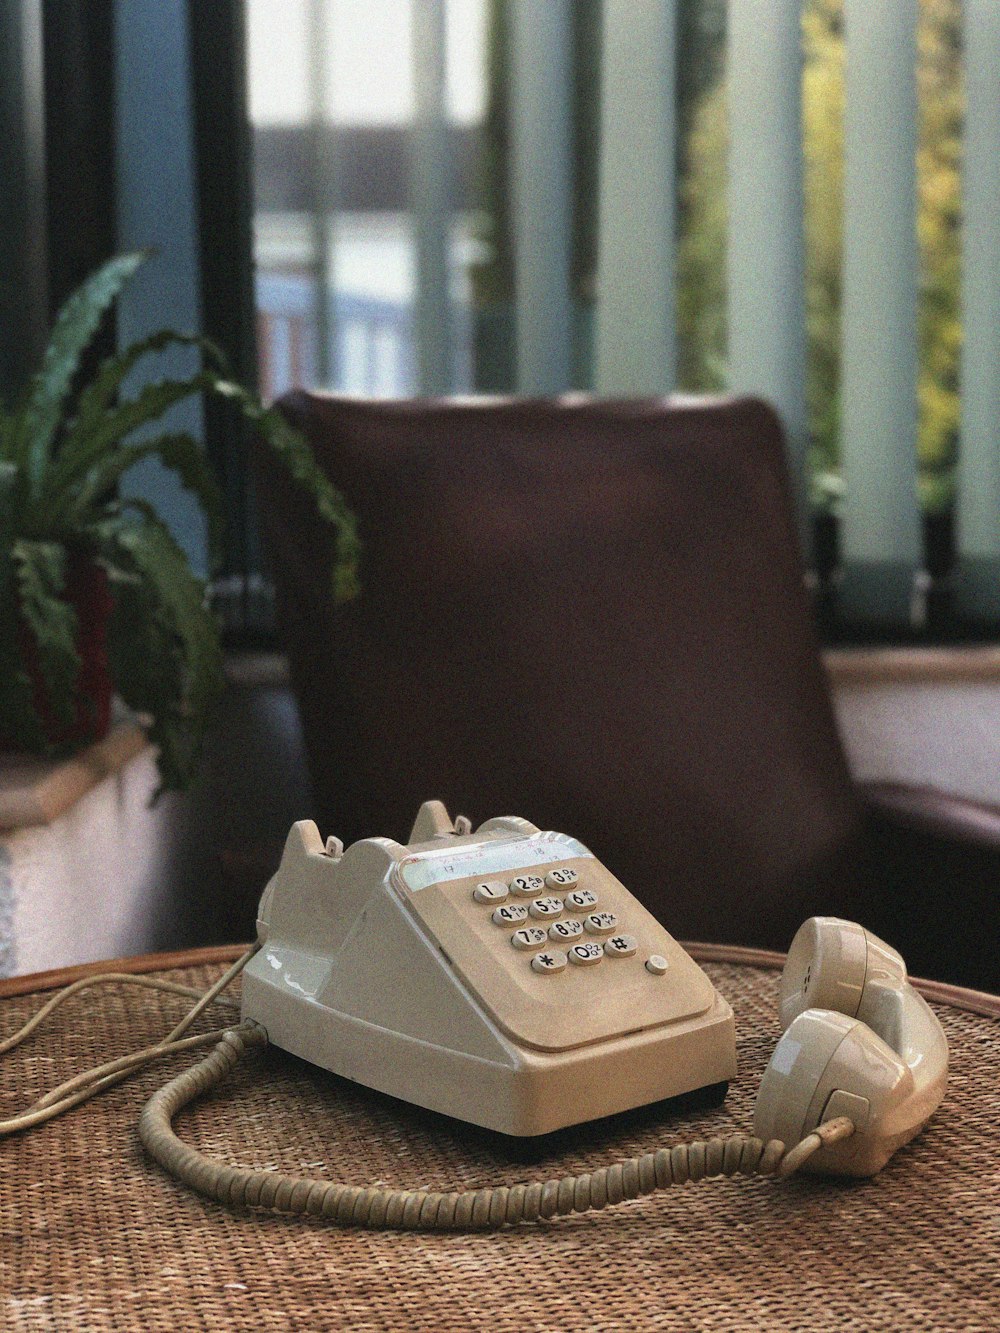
(422, 1210)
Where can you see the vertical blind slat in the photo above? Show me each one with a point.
(323, 370)
(635, 337)
(541, 165)
(881, 524)
(979, 453)
(431, 201)
(766, 280)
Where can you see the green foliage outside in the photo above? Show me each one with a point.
(63, 449)
(702, 286)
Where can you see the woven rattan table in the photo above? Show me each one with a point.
(94, 1236)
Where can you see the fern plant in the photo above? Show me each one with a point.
(63, 450)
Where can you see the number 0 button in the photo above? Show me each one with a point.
(586, 955)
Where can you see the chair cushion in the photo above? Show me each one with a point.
(588, 613)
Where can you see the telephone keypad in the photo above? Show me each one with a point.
(566, 930)
(553, 960)
(542, 907)
(581, 900)
(530, 937)
(510, 914)
(491, 891)
(586, 955)
(621, 946)
(564, 878)
(601, 923)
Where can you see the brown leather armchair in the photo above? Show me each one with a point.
(592, 613)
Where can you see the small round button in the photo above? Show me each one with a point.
(511, 914)
(620, 946)
(564, 878)
(586, 955)
(531, 937)
(528, 886)
(566, 930)
(581, 900)
(601, 923)
(546, 907)
(554, 960)
(656, 964)
(490, 891)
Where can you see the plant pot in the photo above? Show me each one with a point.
(88, 593)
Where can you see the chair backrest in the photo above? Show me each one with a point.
(590, 613)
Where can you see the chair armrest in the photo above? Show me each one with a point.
(939, 814)
(932, 864)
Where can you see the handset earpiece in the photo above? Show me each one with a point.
(859, 1042)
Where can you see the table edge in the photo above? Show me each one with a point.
(942, 992)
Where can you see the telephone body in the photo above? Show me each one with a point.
(504, 976)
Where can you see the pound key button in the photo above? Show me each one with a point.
(531, 937)
(620, 946)
(553, 960)
(586, 955)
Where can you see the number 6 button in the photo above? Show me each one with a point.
(581, 900)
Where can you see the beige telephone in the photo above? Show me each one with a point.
(504, 977)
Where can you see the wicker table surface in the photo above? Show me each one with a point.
(94, 1236)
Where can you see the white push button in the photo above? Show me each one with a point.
(586, 955)
(528, 886)
(620, 946)
(601, 923)
(491, 891)
(531, 937)
(554, 960)
(581, 900)
(656, 964)
(566, 930)
(561, 879)
(511, 914)
(546, 907)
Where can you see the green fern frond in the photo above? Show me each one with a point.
(40, 577)
(75, 325)
(100, 394)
